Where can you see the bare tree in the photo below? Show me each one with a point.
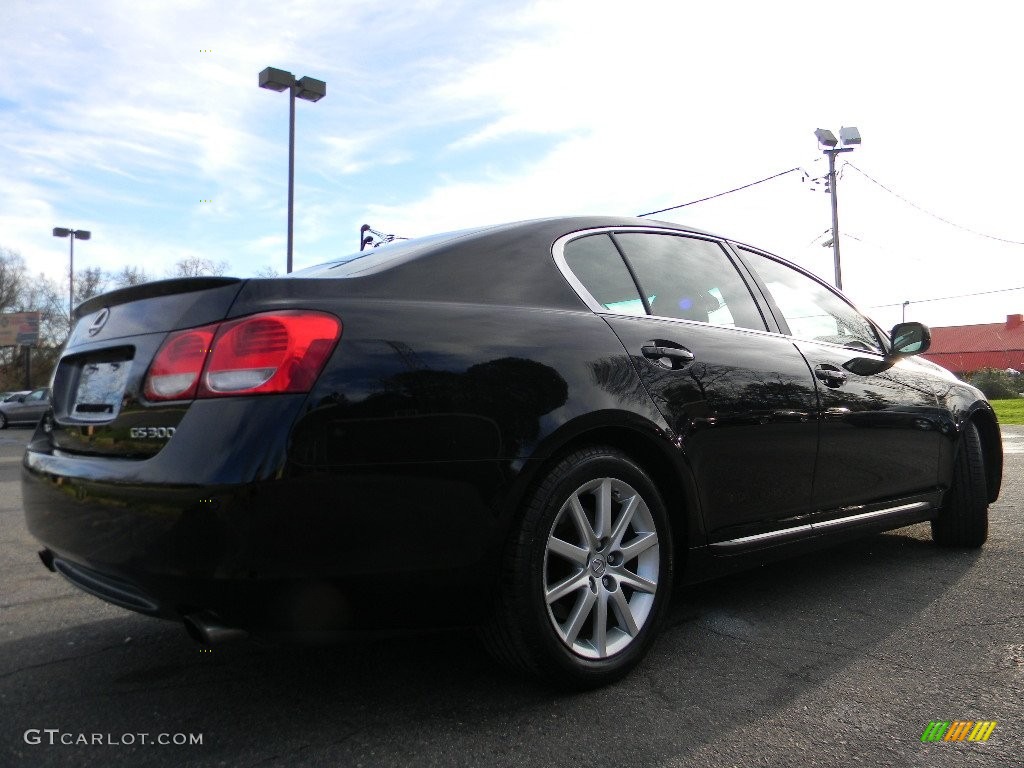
(19, 292)
(129, 276)
(46, 296)
(91, 281)
(197, 266)
(267, 272)
(12, 278)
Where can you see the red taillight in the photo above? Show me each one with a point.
(270, 352)
(174, 373)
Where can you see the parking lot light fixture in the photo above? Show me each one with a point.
(311, 89)
(849, 136)
(307, 89)
(826, 138)
(72, 235)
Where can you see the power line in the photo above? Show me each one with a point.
(946, 298)
(722, 194)
(929, 213)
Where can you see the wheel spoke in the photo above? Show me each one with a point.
(600, 639)
(624, 520)
(604, 508)
(638, 546)
(569, 551)
(639, 583)
(579, 615)
(579, 516)
(623, 612)
(567, 586)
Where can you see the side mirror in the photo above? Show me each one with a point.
(910, 339)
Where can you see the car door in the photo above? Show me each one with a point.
(879, 422)
(32, 408)
(740, 400)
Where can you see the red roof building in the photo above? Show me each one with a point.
(968, 348)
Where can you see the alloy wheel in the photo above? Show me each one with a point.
(601, 568)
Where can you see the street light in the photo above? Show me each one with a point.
(849, 137)
(308, 89)
(71, 234)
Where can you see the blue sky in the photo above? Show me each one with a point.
(120, 117)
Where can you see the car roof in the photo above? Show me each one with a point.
(505, 263)
(541, 231)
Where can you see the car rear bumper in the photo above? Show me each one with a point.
(371, 547)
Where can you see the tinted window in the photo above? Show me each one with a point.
(690, 279)
(597, 264)
(810, 309)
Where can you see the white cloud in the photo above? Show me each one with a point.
(122, 123)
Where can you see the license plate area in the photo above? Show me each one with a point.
(100, 389)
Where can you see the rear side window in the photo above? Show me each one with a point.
(690, 279)
(598, 266)
(811, 310)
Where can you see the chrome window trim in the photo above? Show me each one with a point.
(558, 253)
(737, 246)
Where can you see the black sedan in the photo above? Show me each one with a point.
(537, 428)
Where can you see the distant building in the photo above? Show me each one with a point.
(968, 348)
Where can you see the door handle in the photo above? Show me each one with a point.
(836, 414)
(668, 357)
(830, 375)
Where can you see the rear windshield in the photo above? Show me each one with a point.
(383, 257)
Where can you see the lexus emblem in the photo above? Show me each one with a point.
(99, 321)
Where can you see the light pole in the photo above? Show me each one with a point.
(306, 88)
(905, 303)
(849, 137)
(71, 234)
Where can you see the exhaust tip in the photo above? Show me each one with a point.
(47, 557)
(206, 628)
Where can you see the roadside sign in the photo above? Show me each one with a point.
(19, 328)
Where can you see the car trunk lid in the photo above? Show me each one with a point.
(98, 405)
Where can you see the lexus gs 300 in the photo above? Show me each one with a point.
(538, 429)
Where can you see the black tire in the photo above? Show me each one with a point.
(3, 421)
(615, 580)
(963, 519)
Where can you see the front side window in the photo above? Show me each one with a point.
(689, 279)
(37, 395)
(810, 309)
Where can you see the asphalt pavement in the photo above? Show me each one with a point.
(842, 657)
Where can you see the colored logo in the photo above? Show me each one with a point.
(958, 730)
